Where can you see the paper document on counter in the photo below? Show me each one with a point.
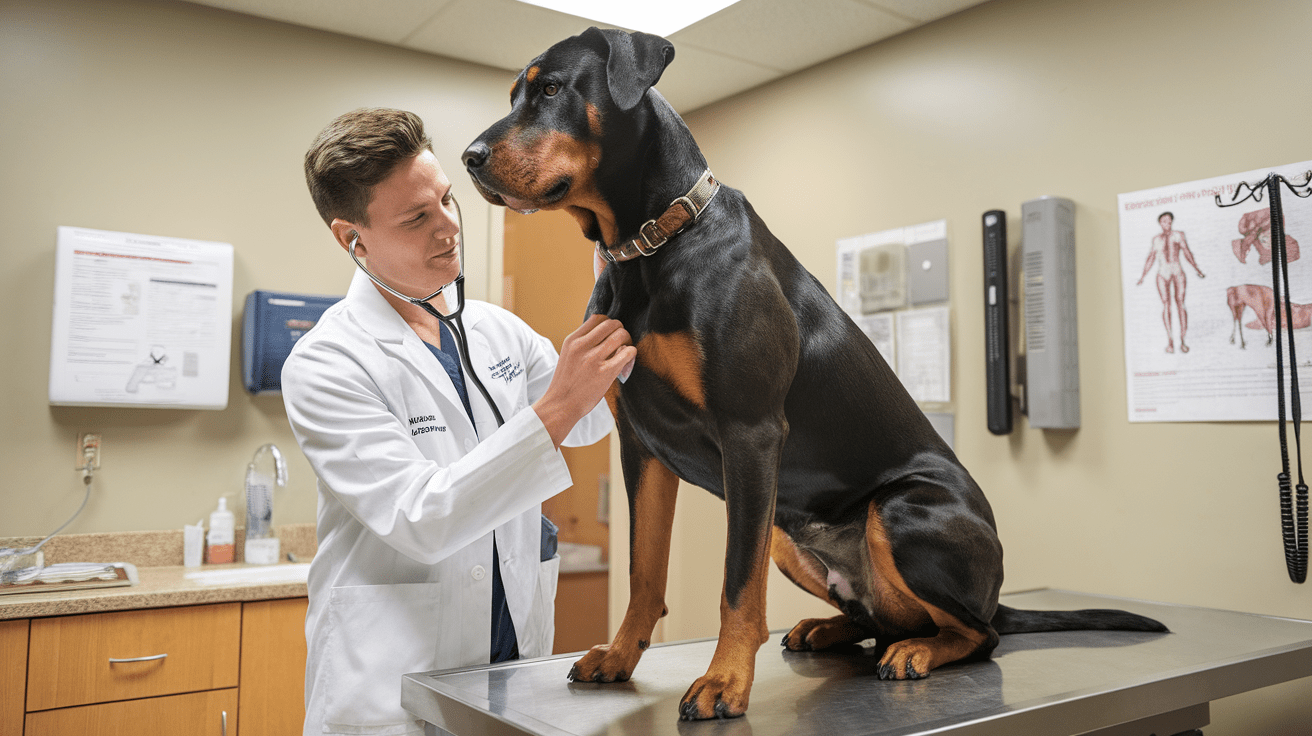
(140, 320)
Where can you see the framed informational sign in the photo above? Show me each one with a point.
(140, 320)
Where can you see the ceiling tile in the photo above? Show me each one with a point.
(696, 77)
(788, 35)
(733, 50)
(387, 21)
(500, 33)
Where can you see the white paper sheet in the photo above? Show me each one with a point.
(140, 320)
(1221, 368)
(924, 353)
(879, 328)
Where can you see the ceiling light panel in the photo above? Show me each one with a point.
(661, 18)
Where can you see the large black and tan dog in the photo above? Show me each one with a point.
(751, 383)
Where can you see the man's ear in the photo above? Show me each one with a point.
(344, 232)
(635, 63)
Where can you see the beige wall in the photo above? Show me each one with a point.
(986, 109)
(172, 119)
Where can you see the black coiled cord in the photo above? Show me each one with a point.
(1293, 512)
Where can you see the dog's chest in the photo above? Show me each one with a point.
(664, 401)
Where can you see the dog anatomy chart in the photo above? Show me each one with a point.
(1198, 306)
(140, 320)
(872, 281)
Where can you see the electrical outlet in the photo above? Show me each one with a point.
(88, 448)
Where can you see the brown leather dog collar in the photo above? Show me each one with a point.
(681, 213)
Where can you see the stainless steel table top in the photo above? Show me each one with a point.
(1036, 684)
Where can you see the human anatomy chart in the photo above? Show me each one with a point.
(1198, 305)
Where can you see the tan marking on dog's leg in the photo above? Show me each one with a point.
(725, 689)
(652, 519)
(894, 601)
(677, 358)
(802, 568)
(912, 658)
(821, 633)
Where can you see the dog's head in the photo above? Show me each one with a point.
(577, 117)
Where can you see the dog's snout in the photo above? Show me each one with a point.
(476, 155)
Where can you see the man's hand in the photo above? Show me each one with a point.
(590, 359)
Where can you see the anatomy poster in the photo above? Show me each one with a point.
(1198, 305)
(140, 320)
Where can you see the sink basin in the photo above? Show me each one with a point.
(271, 574)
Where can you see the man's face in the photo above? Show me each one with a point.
(412, 241)
(1165, 221)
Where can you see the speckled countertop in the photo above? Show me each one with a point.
(161, 576)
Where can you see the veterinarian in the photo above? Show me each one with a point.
(431, 540)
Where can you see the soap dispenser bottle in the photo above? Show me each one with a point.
(264, 471)
(220, 544)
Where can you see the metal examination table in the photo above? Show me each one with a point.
(1055, 684)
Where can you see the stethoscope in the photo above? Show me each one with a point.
(452, 320)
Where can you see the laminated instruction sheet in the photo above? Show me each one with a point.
(140, 320)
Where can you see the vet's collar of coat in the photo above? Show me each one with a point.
(681, 213)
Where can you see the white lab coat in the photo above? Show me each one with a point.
(409, 497)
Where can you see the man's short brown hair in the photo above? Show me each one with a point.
(356, 152)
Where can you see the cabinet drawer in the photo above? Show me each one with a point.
(71, 659)
(202, 714)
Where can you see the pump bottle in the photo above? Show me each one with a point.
(221, 540)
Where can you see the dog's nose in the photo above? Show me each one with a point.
(476, 155)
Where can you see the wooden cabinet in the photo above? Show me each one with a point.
(103, 657)
(212, 713)
(273, 667)
(217, 669)
(581, 611)
(13, 672)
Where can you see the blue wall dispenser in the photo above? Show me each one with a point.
(272, 323)
(266, 469)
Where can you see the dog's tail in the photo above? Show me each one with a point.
(1012, 621)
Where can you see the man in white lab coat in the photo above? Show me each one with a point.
(430, 534)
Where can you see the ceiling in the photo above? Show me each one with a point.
(740, 47)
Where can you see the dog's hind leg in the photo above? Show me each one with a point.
(978, 560)
(652, 491)
(804, 569)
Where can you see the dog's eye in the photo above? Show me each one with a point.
(550, 89)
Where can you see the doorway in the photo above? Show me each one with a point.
(547, 281)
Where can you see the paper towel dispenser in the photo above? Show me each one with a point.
(272, 323)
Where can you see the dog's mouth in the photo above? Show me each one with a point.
(556, 193)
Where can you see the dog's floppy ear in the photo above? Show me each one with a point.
(634, 63)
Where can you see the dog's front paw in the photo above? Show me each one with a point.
(603, 663)
(716, 696)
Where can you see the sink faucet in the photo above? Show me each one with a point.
(260, 480)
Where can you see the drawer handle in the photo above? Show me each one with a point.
(137, 659)
(225, 723)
